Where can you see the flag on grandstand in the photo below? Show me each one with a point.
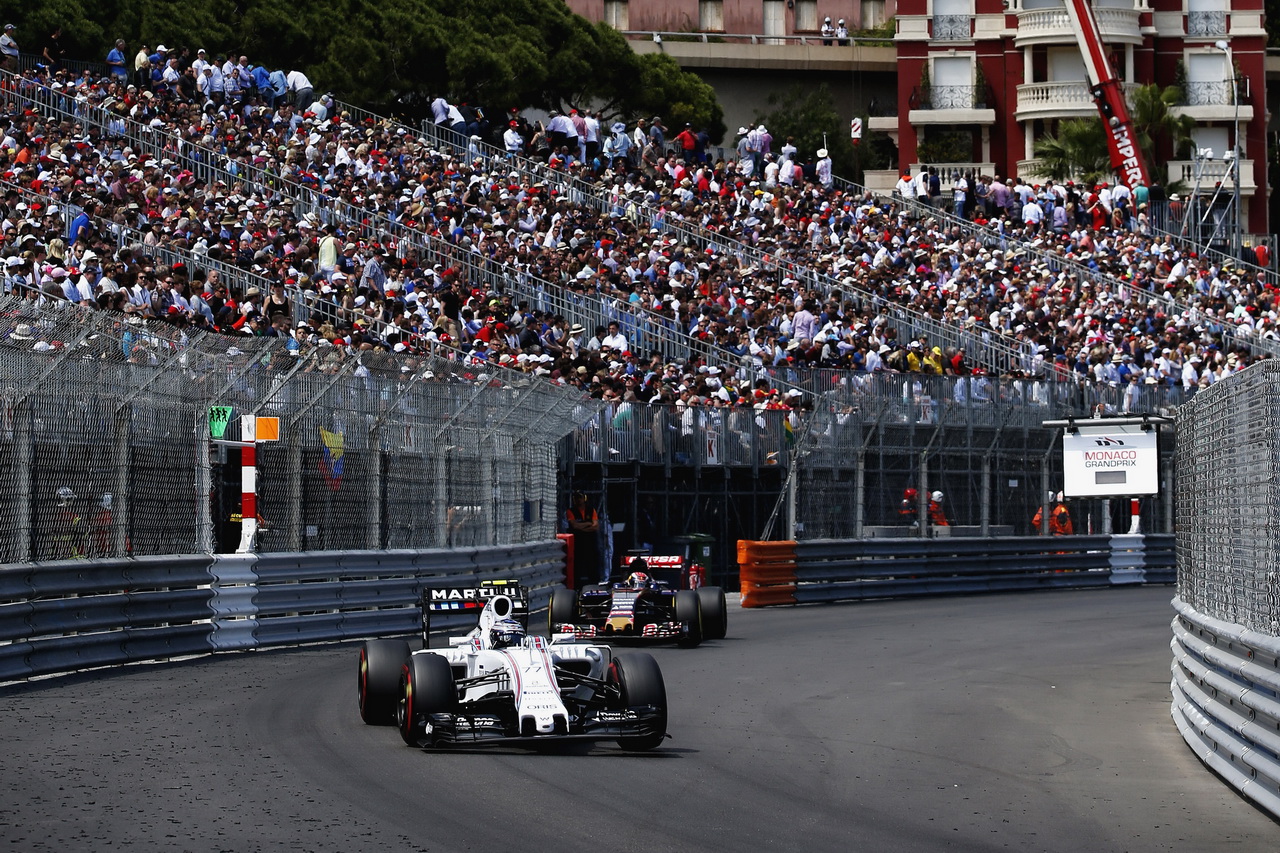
(331, 461)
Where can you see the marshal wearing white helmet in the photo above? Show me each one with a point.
(937, 516)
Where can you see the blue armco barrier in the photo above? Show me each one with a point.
(78, 614)
(850, 570)
(70, 615)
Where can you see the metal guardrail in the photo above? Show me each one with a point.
(1225, 680)
(864, 569)
(79, 614)
(840, 570)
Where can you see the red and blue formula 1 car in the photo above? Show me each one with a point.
(641, 607)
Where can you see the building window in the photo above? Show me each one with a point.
(806, 16)
(952, 20)
(775, 21)
(1208, 80)
(711, 16)
(616, 14)
(952, 87)
(1213, 140)
(1206, 17)
(872, 14)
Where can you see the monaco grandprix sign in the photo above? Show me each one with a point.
(1110, 461)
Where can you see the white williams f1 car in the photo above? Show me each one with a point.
(496, 684)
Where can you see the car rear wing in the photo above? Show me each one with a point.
(471, 599)
(669, 568)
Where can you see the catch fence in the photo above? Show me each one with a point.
(105, 451)
(1226, 634)
(1228, 500)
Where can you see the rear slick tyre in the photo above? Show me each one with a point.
(380, 664)
(563, 609)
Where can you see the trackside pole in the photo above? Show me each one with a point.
(248, 484)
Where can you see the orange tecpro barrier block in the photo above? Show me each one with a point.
(567, 539)
(767, 572)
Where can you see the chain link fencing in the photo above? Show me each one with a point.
(105, 451)
(979, 440)
(1228, 500)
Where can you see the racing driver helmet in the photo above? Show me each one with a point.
(505, 633)
(638, 580)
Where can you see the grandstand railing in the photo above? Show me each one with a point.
(1270, 275)
(651, 329)
(989, 352)
(1056, 262)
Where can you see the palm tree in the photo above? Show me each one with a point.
(1078, 152)
(1154, 119)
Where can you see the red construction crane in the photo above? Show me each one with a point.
(1122, 142)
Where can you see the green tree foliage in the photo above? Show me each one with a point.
(810, 117)
(497, 53)
(1077, 152)
(945, 146)
(1154, 120)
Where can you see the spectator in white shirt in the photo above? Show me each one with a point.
(301, 88)
(615, 340)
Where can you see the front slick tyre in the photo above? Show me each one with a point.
(689, 614)
(715, 618)
(426, 687)
(640, 683)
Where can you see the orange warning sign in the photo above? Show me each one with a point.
(268, 429)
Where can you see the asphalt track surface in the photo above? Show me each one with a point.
(1015, 722)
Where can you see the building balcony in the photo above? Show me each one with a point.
(952, 105)
(1053, 26)
(1207, 24)
(1063, 99)
(1213, 100)
(951, 28)
(1213, 173)
(1029, 170)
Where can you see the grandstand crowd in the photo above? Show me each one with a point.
(88, 218)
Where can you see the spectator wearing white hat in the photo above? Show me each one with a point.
(200, 62)
(9, 49)
(823, 169)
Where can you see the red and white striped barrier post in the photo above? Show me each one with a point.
(1134, 508)
(248, 483)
